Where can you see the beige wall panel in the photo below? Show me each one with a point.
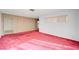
(14, 24)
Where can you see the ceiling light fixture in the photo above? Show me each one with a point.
(32, 10)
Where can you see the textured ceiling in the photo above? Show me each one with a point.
(27, 13)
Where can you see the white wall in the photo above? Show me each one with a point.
(1, 30)
(77, 25)
(66, 30)
(0, 24)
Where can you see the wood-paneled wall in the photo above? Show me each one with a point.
(14, 24)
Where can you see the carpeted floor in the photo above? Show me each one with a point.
(35, 40)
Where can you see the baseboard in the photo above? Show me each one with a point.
(21, 32)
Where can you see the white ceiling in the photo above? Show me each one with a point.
(27, 13)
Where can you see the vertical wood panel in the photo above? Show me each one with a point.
(14, 24)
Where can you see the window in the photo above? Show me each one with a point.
(58, 19)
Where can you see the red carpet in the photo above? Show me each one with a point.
(35, 40)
